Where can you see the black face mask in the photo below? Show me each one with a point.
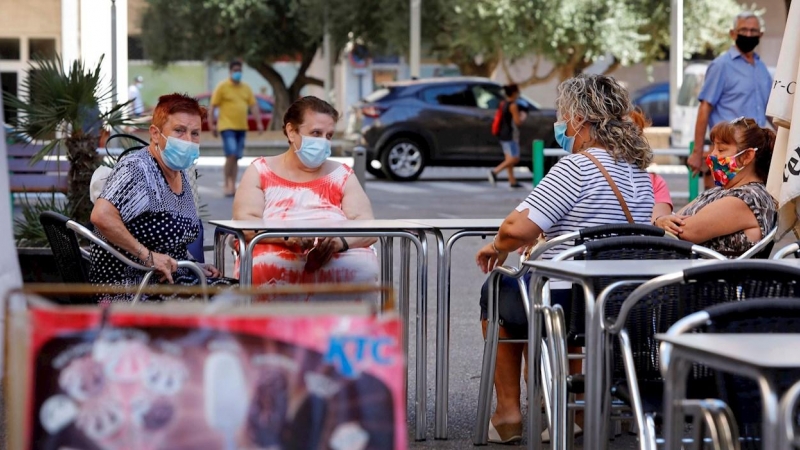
(747, 43)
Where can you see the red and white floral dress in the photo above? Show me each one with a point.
(320, 199)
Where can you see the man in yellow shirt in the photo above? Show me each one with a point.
(233, 98)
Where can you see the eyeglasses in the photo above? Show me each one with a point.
(749, 31)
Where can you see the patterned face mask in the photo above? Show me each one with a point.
(724, 169)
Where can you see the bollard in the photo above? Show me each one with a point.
(360, 164)
(537, 161)
(694, 180)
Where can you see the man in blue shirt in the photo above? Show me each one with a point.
(737, 84)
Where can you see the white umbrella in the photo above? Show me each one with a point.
(784, 175)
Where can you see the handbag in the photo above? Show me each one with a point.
(612, 184)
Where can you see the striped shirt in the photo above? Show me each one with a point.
(575, 195)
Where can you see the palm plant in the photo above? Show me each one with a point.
(64, 108)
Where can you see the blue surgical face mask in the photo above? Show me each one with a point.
(179, 154)
(313, 151)
(566, 142)
(236, 76)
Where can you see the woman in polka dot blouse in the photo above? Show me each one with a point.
(146, 209)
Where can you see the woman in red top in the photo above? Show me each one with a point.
(303, 184)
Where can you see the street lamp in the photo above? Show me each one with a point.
(414, 51)
(113, 53)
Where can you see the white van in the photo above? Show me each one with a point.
(684, 117)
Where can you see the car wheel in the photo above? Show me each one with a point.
(377, 173)
(403, 159)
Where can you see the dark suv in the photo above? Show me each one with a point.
(407, 126)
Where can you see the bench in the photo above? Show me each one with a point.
(42, 176)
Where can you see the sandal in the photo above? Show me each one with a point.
(507, 433)
(578, 431)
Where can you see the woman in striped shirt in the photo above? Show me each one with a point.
(594, 121)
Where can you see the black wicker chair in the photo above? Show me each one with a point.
(74, 262)
(657, 305)
(763, 315)
(610, 249)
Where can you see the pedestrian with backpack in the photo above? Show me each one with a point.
(506, 124)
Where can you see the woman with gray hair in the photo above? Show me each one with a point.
(608, 153)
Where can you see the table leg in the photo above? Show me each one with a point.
(534, 357)
(422, 337)
(594, 370)
(770, 413)
(442, 335)
(403, 298)
(674, 392)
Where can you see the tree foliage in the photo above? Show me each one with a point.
(572, 34)
(263, 32)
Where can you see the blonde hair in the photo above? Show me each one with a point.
(602, 103)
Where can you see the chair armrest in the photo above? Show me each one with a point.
(83, 231)
(760, 245)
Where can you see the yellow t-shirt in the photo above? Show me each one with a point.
(233, 101)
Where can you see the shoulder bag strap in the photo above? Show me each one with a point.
(612, 184)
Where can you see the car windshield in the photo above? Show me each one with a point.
(690, 89)
(534, 104)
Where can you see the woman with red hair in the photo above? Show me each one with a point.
(146, 209)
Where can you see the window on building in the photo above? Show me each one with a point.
(9, 49)
(8, 83)
(450, 95)
(44, 48)
(135, 48)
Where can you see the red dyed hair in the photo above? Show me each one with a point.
(175, 103)
(745, 133)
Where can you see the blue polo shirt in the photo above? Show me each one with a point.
(736, 88)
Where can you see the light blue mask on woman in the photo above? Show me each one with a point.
(566, 142)
(179, 154)
(313, 151)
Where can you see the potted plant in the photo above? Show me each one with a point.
(69, 110)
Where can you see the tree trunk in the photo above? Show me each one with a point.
(285, 95)
(83, 159)
(280, 93)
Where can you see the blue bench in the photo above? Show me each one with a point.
(42, 176)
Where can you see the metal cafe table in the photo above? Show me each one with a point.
(583, 272)
(409, 232)
(462, 228)
(756, 356)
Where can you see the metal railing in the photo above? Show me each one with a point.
(539, 152)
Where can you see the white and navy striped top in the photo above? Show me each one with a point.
(575, 195)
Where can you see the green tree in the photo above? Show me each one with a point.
(262, 32)
(571, 35)
(65, 109)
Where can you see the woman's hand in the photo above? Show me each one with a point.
(488, 259)
(164, 265)
(671, 223)
(321, 253)
(209, 270)
(297, 242)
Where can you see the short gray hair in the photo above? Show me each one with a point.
(746, 15)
